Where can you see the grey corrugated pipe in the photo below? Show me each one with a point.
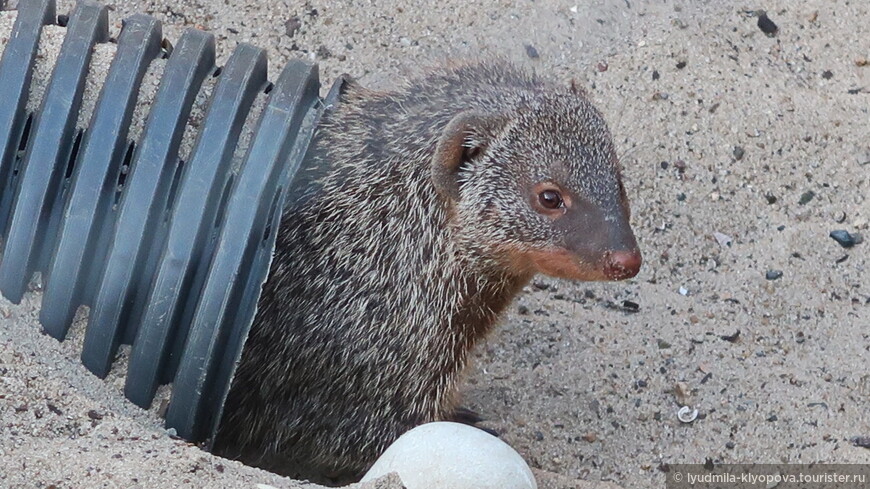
(146, 183)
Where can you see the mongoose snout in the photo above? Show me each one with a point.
(418, 216)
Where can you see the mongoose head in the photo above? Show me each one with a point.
(538, 189)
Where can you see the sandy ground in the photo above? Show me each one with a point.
(742, 152)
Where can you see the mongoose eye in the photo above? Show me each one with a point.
(551, 199)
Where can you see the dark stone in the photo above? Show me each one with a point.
(806, 197)
(532, 52)
(861, 441)
(738, 153)
(844, 238)
(773, 274)
(292, 26)
(731, 338)
(766, 25)
(323, 52)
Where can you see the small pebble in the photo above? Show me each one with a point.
(738, 153)
(730, 445)
(541, 285)
(861, 441)
(682, 394)
(843, 238)
(323, 52)
(602, 66)
(292, 26)
(630, 306)
(731, 338)
(662, 344)
(655, 75)
(723, 239)
(532, 52)
(766, 25)
(806, 197)
(827, 74)
(683, 291)
(773, 274)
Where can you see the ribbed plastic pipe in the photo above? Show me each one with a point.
(150, 192)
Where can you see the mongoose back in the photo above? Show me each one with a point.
(425, 211)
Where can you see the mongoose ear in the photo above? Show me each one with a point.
(455, 147)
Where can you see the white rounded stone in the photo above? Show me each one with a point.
(441, 455)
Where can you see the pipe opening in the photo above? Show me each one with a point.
(124, 170)
(222, 206)
(173, 190)
(272, 214)
(73, 154)
(25, 134)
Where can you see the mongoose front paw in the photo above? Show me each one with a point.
(467, 416)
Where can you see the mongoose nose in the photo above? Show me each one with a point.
(620, 265)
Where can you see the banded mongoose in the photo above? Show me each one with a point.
(423, 213)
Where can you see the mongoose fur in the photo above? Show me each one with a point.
(421, 214)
